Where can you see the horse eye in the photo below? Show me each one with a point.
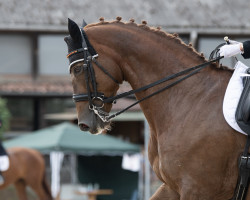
(77, 69)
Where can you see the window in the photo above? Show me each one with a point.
(15, 54)
(62, 109)
(58, 105)
(52, 55)
(22, 113)
(27, 114)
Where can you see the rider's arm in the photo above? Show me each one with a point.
(246, 49)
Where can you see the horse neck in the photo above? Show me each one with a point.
(146, 57)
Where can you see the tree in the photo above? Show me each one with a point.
(4, 117)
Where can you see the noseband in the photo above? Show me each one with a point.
(94, 96)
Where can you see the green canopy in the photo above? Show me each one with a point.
(67, 137)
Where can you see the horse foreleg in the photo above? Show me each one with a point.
(165, 193)
(20, 186)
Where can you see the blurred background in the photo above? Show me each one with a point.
(36, 88)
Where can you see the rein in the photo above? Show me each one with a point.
(95, 96)
(195, 70)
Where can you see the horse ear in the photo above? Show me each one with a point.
(74, 31)
(84, 23)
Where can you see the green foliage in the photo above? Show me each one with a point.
(4, 117)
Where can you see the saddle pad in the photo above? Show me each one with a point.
(4, 163)
(232, 95)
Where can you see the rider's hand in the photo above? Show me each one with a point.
(231, 49)
(233, 42)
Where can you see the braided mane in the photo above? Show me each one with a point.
(158, 31)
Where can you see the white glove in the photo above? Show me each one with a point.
(233, 42)
(230, 50)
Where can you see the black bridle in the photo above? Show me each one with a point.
(94, 96)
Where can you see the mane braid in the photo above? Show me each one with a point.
(161, 33)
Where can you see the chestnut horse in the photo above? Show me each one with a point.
(27, 168)
(192, 149)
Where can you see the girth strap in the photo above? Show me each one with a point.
(244, 174)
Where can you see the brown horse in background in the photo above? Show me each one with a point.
(27, 168)
(192, 149)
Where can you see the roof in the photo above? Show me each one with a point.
(53, 86)
(17, 85)
(178, 14)
(69, 138)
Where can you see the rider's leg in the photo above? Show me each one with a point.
(1, 178)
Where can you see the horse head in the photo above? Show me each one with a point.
(92, 84)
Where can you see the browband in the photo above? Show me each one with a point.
(79, 60)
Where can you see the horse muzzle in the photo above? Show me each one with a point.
(89, 121)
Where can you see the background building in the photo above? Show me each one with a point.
(34, 73)
(34, 70)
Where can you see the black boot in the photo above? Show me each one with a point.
(1, 179)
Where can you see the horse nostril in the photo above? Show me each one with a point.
(83, 127)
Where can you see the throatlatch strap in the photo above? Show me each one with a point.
(104, 70)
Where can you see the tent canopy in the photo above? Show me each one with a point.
(67, 137)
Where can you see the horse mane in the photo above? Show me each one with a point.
(161, 33)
